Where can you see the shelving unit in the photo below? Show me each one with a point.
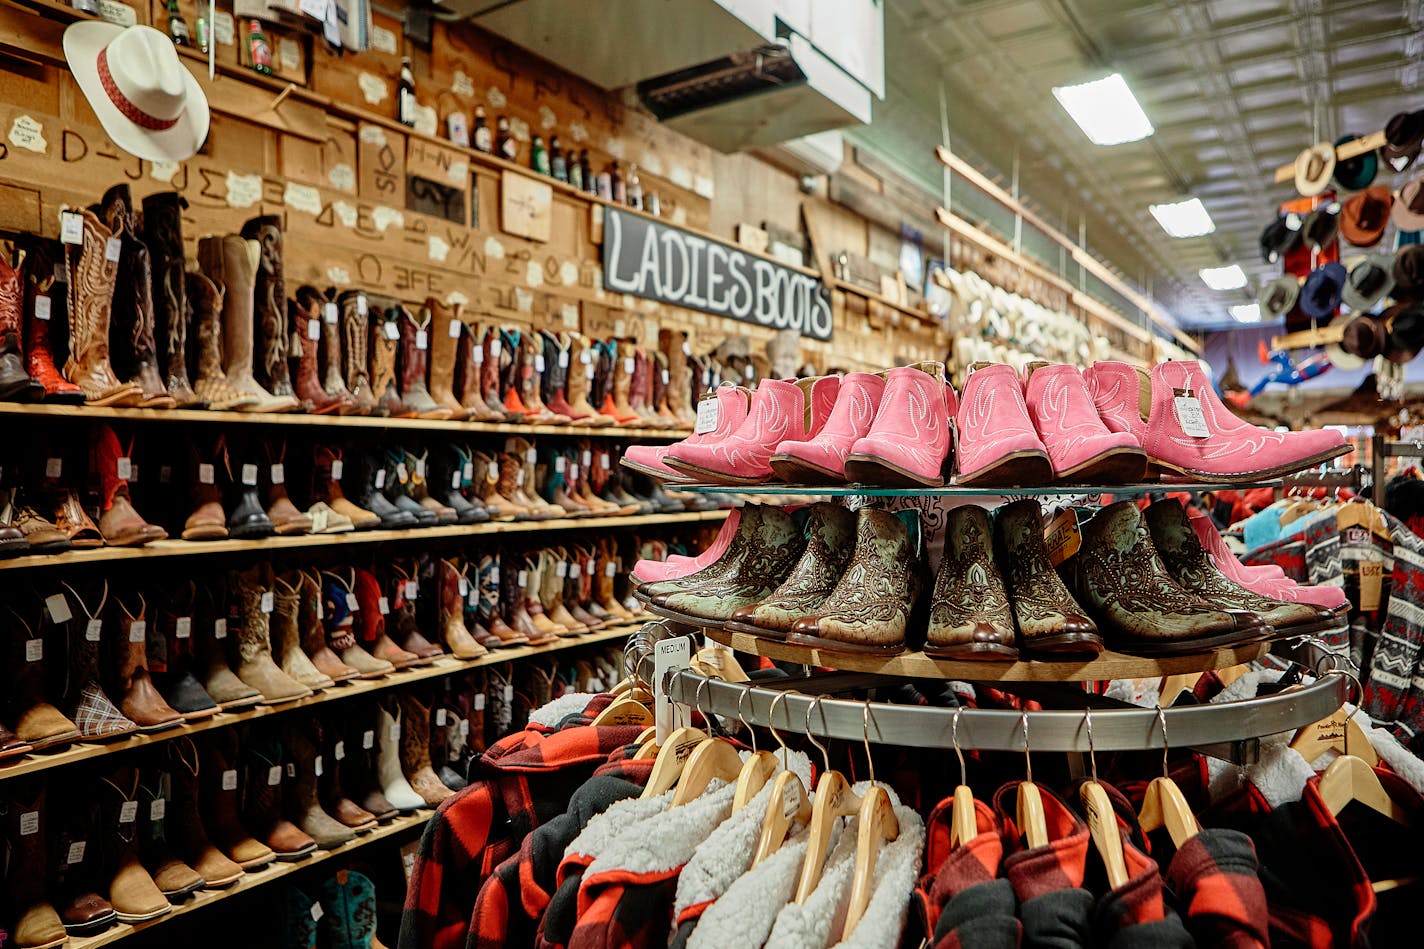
(443, 666)
(191, 548)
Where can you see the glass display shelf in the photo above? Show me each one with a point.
(1056, 490)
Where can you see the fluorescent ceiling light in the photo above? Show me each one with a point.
(1224, 278)
(1247, 312)
(1105, 110)
(1183, 219)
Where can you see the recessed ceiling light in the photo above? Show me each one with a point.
(1184, 219)
(1224, 278)
(1246, 312)
(1105, 110)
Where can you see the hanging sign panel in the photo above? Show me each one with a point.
(646, 258)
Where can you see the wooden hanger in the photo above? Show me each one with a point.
(759, 767)
(834, 800)
(624, 710)
(789, 801)
(1028, 808)
(1357, 512)
(1164, 804)
(1337, 731)
(1102, 819)
(671, 760)
(712, 760)
(877, 826)
(963, 822)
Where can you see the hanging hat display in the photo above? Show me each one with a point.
(1403, 137)
(1409, 272)
(1359, 172)
(1369, 282)
(1364, 216)
(1408, 210)
(1314, 167)
(1280, 237)
(1320, 294)
(1322, 225)
(1278, 297)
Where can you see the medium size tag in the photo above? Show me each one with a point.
(628, 363)
(138, 630)
(532, 455)
(268, 602)
(368, 740)
(380, 479)
(75, 854)
(339, 752)
(113, 247)
(1190, 416)
(351, 603)
(92, 629)
(708, 411)
(313, 330)
(34, 650)
(220, 629)
(392, 332)
(124, 469)
(496, 347)
(422, 339)
(279, 474)
(669, 655)
(558, 464)
(29, 823)
(71, 227)
(439, 718)
(455, 329)
(361, 305)
(384, 606)
(538, 363)
(317, 766)
(336, 469)
(412, 589)
(229, 780)
(564, 359)
(478, 703)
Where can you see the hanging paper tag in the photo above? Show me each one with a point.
(368, 740)
(439, 718)
(456, 480)
(586, 357)
(384, 606)
(92, 629)
(575, 571)
(1371, 584)
(420, 467)
(464, 586)
(412, 589)
(422, 340)
(1062, 537)
(588, 372)
(686, 348)
(468, 470)
(157, 808)
(351, 603)
(339, 752)
(124, 469)
(249, 474)
(58, 608)
(538, 362)
(559, 464)
(317, 912)
(268, 602)
(113, 247)
(205, 474)
(183, 627)
(561, 569)
(1190, 417)
(532, 455)
(128, 812)
(666, 377)
(401, 473)
(317, 766)
(361, 304)
(42, 308)
(573, 472)
(165, 474)
(229, 780)
(336, 468)
(587, 458)
(279, 474)
(496, 347)
(34, 650)
(75, 854)
(71, 227)
(380, 479)
(328, 311)
(479, 702)
(53, 467)
(313, 329)
(708, 411)
(220, 629)
(508, 693)
(392, 332)
(523, 577)
(393, 733)
(564, 359)
(478, 356)
(628, 364)
(137, 631)
(291, 769)
(519, 478)
(464, 728)
(669, 655)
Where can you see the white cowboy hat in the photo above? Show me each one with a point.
(148, 103)
(1313, 168)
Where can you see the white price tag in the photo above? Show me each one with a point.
(313, 330)
(53, 467)
(561, 569)
(508, 693)
(128, 812)
(393, 733)
(336, 468)
(496, 347)
(42, 308)
(362, 307)
(538, 362)
(249, 474)
(34, 650)
(532, 455)
(380, 479)
(157, 808)
(401, 473)
(268, 602)
(317, 912)
(588, 372)
(666, 377)
(573, 472)
(124, 469)
(1190, 417)
(464, 728)
(455, 329)
(628, 363)
(479, 702)
(668, 655)
(559, 464)
(368, 740)
(392, 332)
(291, 769)
(478, 356)
(564, 359)
(455, 480)
(29, 823)
(279, 474)
(328, 312)
(708, 411)
(791, 801)
(587, 458)
(165, 474)
(274, 775)
(220, 629)
(112, 248)
(384, 605)
(586, 357)
(58, 608)
(229, 780)
(317, 766)
(339, 752)
(71, 227)
(609, 569)
(603, 459)
(75, 854)
(420, 467)
(138, 630)
(412, 589)
(464, 586)
(422, 341)
(183, 627)
(439, 718)
(206, 475)
(523, 577)
(575, 571)
(519, 478)
(92, 629)
(686, 348)
(351, 603)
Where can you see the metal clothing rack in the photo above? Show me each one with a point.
(1381, 450)
(1357, 478)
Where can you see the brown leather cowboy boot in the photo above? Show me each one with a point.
(334, 381)
(326, 486)
(16, 384)
(175, 879)
(1049, 619)
(970, 615)
(36, 722)
(139, 698)
(830, 541)
(220, 800)
(39, 281)
(231, 262)
(303, 803)
(470, 365)
(355, 350)
(313, 637)
(254, 600)
(120, 524)
(677, 352)
(263, 775)
(452, 613)
(286, 625)
(331, 790)
(415, 751)
(137, 358)
(286, 519)
(401, 591)
(580, 378)
(132, 892)
(414, 353)
(183, 822)
(163, 235)
(493, 374)
(23, 823)
(443, 323)
(205, 299)
(92, 276)
(385, 345)
(269, 305)
(305, 317)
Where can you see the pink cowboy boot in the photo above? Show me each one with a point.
(909, 440)
(998, 445)
(1186, 429)
(821, 460)
(732, 404)
(676, 567)
(780, 412)
(1225, 560)
(1264, 580)
(1080, 447)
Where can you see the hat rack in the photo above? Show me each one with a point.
(1343, 152)
(1356, 478)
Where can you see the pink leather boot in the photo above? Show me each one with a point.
(1188, 431)
(1225, 560)
(909, 440)
(1265, 580)
(733, 403)
(821, 460)
(651, 571)
(998, 445)
(1079, 445)
(780, 412)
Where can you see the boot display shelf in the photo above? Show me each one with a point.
(188, 548)
(1228, 730)
(880, 491)
(250, 881)
(102, 413)
(443, 666)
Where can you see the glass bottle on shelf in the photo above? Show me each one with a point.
(654, 206)
(635, 188)
(508, 147)
(405, 95)
(259, 48)
(539, 156)
(458, 129)
(204, 33)
(481, 134)
(618, 189)
(575, 171)
(177, 26)
(558, 165)
(590, 180)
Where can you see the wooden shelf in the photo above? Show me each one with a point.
(191, 548)
(44, 410)
(250, 881)
(444, 666)
(917, 665)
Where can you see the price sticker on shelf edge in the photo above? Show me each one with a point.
(708, 411)
(1190, 416)
(128, 812)
(669, 656)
